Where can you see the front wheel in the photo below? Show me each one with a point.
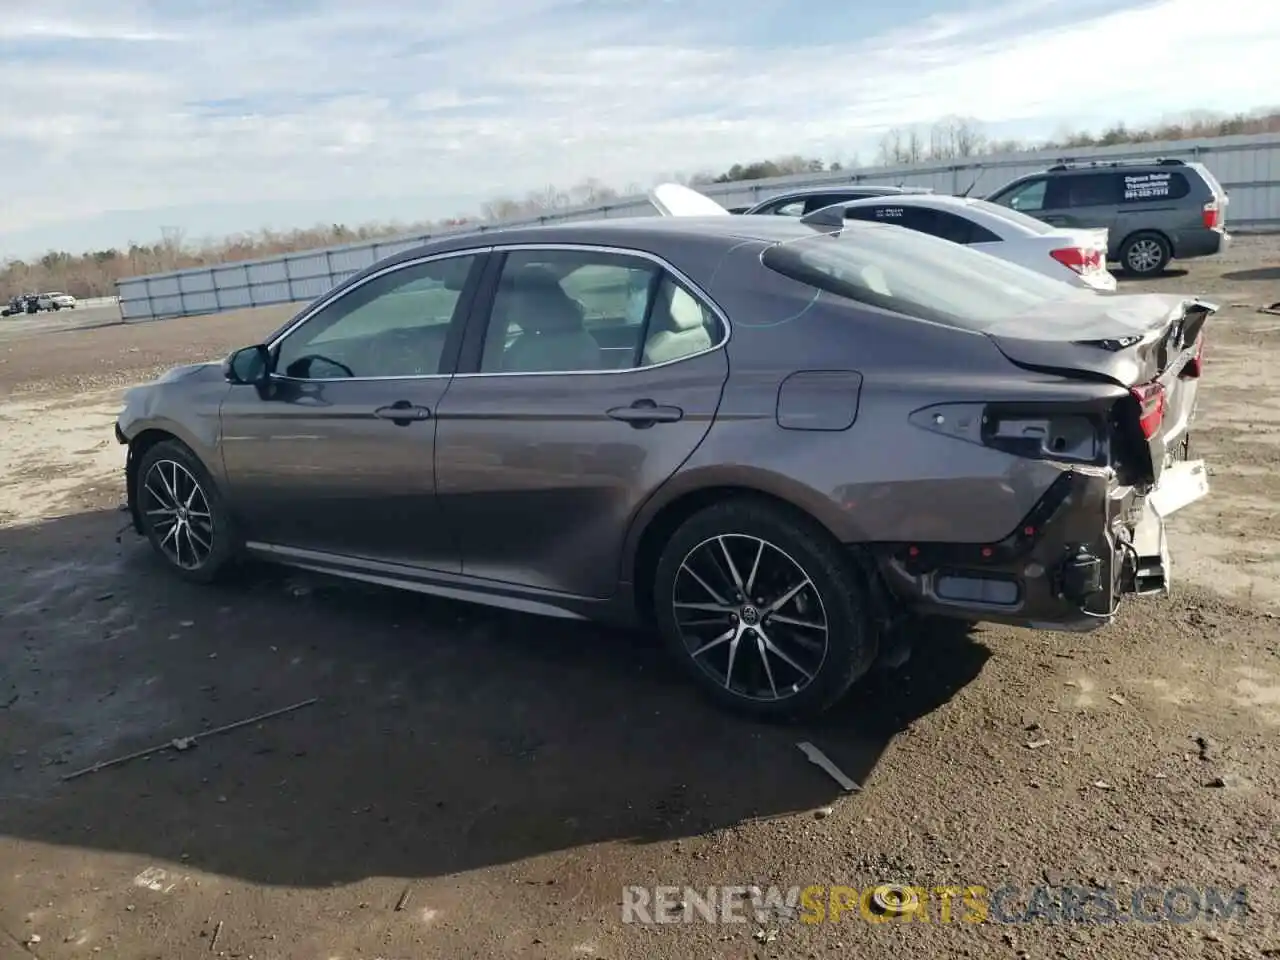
(182, 512)
(767, 613)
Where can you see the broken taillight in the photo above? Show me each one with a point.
(1151, 400)
(1196, 364)
(1078, 258)
(1212, 215)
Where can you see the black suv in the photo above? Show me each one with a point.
(796, 203)
(1155, 210)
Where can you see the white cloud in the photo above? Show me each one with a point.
(113, 107)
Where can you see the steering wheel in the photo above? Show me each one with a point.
(305, 363)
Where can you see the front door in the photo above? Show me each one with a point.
(592, 376)
(336, 456)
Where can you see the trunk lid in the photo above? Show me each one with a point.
(676, 200)
(1150, 344)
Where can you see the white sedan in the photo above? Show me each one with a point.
(1078, 257)
(56, 301)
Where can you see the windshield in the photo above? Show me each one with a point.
(1038, 227)
(917, 275)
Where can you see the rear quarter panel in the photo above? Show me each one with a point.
(881, 479)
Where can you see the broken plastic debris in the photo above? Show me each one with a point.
(818, 758)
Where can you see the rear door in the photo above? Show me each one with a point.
(588, 376)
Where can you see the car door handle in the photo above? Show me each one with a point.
(645, 413)
(402, 413)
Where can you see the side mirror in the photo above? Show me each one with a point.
(249, 366)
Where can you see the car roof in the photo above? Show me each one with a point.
(918, 200)
(840, 187)
(624, 231)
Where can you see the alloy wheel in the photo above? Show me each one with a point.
(1145, 255)
(750, 617)
(177, 510)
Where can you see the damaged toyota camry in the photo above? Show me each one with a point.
(777, 442)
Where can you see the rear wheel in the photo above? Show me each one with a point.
(1145, 254)
(182, 512)
(764, 609)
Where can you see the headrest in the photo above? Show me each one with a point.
(686, 312)
(537, 301)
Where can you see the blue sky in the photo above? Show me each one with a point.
(217, 116)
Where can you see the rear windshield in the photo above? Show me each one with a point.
(917, 275)
(1038, 227)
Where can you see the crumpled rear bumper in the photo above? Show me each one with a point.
(1085, 545)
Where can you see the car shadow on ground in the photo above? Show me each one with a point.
(1169, 274)
(445, 737)
(1258, 274)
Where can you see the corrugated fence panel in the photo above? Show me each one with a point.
(1248, 167)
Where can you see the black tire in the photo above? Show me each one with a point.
(838, 586)
(1145, 254)
(220, 533)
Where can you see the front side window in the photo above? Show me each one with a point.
(574, 311)
(788, 208)
(1028, 197)
(918, 276)
(394, 325)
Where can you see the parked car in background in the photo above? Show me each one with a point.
(796, 203)
(803, 437)
(1074, 256)
(57, 301)
(15, 306)
(1153, 210)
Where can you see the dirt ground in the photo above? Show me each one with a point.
(475, 784)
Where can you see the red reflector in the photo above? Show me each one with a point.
(913, 551)
(986, 551)
(1150, 397)
(1029, 531)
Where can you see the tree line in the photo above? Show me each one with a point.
(94, 273)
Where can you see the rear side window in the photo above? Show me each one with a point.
(1154, 185)
(936, 223)
(917, 275)
(1207, 175)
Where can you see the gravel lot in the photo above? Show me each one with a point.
(475, 784)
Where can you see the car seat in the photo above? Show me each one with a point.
(552, 335)
(683, 329)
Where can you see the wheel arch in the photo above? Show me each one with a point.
(1145, 231)
(664, 513)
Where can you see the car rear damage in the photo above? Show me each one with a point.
(1099, 532)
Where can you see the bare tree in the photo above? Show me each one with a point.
(914, 147)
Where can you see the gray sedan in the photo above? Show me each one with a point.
(774, 441)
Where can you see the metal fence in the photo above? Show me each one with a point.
(1247, 166)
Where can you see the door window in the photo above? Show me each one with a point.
(394, 325)
(563, 311)
(1091, 189)
(787, 208)
(1029, 197)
